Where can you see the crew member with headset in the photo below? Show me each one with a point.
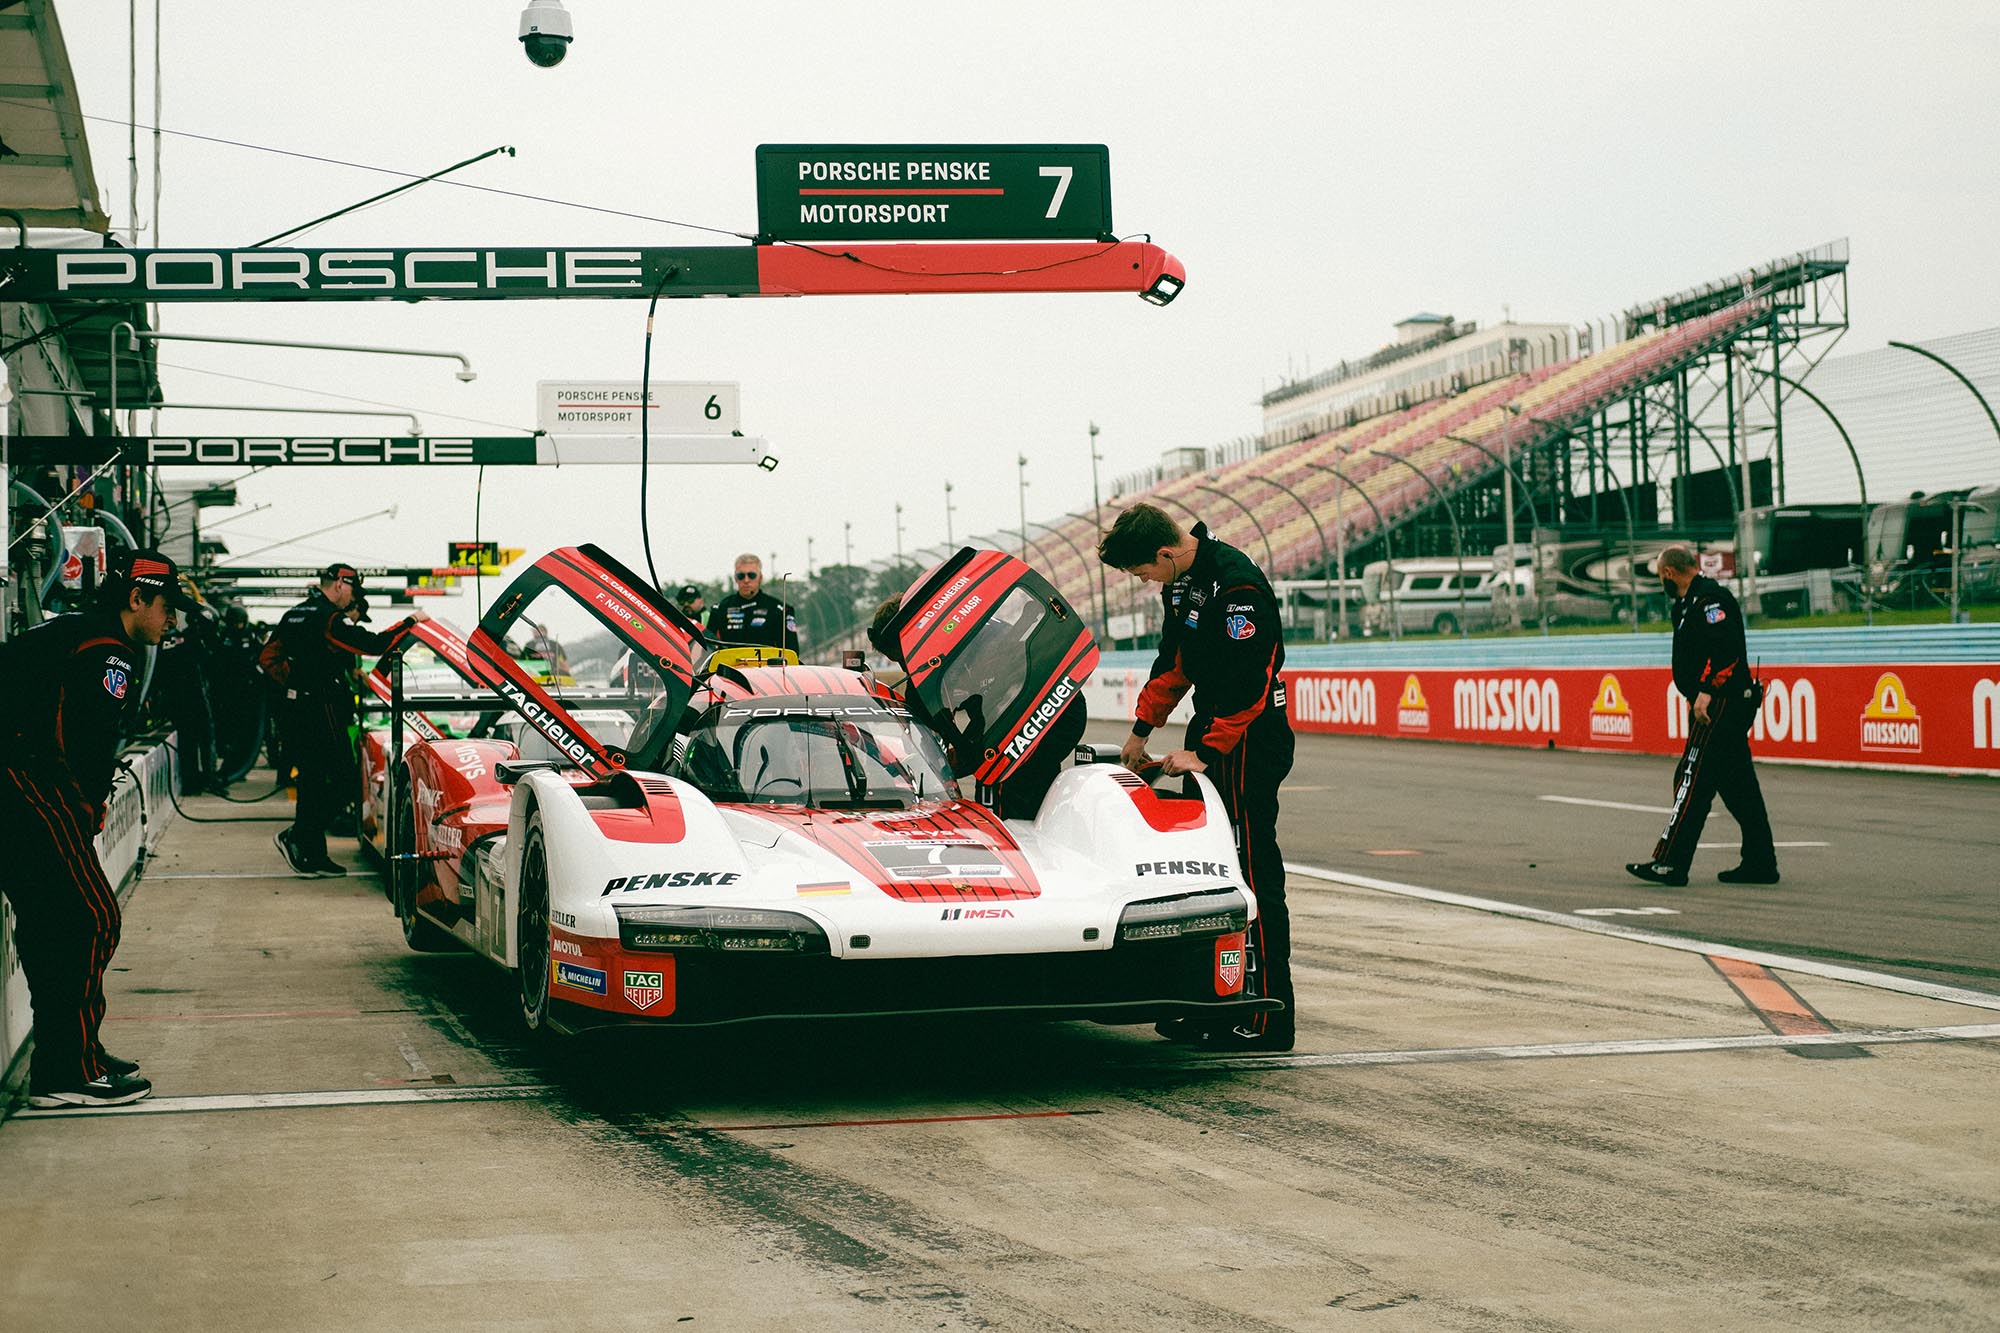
(1712, 670)
(318, 643)
(750, 615)
(73, 681)
(1221, 637)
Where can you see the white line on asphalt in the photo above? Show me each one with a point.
(1564, 1050)
(286, 1101)
(1609, 805)
(1830, 971)
(1627, 911)
(232, 874)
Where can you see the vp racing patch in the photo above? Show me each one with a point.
(1239, 627)
(1715, 615)
(115, 682)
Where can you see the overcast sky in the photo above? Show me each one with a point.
(1321, 169)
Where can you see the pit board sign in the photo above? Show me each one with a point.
(933, 192)
(611, 407)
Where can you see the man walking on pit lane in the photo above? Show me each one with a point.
(1712, 669)
(1220, 635)
(750, 615)
(319, 646)
(73, 679)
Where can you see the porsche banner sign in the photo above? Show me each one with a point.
(276, 274)
(377, 450)
(933, 192)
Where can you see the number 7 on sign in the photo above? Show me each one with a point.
(1062, 178)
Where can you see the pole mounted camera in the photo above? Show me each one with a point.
(546, 32)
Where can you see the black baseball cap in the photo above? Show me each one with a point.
(158, 576)
(341, 572)
(687, 593)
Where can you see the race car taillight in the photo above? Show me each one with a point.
(725, 929)
(1212, 912)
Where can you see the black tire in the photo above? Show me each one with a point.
(531, 930)
(1446, 623)
(419, 931)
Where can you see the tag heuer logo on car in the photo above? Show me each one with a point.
(1228, 969)
(644, 989)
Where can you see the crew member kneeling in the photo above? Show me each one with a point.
(74, 677)
(1220, 635)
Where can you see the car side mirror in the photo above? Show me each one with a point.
(511, 771)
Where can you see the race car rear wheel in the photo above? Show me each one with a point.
(531, 930)
(419, 931)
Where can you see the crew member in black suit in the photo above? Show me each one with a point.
(1220, 636)
(320, 646)
(1712, 669)
(73, 682)
(750, 615)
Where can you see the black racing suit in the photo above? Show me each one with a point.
(1221, 637)
(1710, 657)
(74, 680)
(762, 619)
(316, 709)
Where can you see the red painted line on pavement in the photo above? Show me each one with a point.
(1781, 1008)
(863, 1124)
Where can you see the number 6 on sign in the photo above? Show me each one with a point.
(1062, 178)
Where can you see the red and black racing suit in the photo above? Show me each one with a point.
(317, 709)
(1221, 637)
(1710, 657)
(73, 680)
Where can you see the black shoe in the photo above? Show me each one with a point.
(116, 1065)
(107, 1090)
(294, 858)
(1244, 1039)
(326, 868)
(1749, 874)
(1658, 872)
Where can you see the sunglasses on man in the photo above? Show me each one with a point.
(747, 574)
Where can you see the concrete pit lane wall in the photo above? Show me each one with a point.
(135, 820)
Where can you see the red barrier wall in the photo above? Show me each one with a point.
(1907, 716)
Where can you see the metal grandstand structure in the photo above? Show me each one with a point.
(1659, 435)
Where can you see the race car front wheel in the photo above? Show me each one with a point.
(531, 930)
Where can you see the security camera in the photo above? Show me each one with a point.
(546, 32)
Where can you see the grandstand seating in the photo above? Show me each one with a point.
(1513, 413)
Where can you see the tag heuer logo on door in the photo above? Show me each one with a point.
(644, 989)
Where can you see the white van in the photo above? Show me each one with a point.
(1437, 596)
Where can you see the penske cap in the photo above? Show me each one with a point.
(159, 577)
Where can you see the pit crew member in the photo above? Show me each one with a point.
(750, 615)
(1220, 636)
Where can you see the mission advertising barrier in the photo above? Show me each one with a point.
(1926, 716)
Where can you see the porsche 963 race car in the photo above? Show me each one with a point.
(675, 844)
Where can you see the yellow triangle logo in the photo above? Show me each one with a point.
(1413, 694)
(1891, 699)
(1610, 698)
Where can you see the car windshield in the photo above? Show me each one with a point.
(830, 751)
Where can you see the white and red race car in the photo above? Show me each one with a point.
(792, 841)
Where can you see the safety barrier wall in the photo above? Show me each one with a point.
(1927, 716)
(135, 819)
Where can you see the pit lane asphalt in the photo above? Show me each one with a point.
(1490, 1123)
(1901, 874)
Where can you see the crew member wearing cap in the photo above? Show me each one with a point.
(72, 681)
(321, 643)
(691, 601)
(750, 615)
